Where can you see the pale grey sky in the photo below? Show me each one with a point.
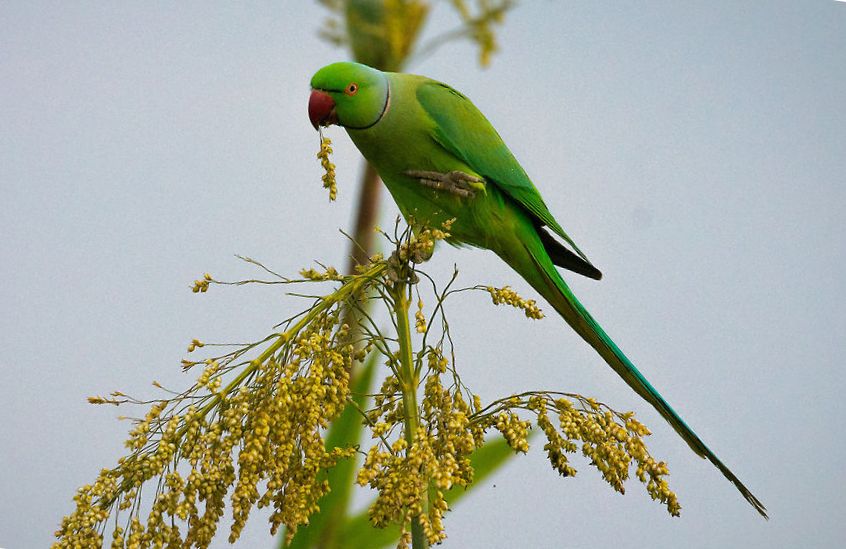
(696, 152)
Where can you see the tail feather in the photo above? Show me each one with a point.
(546, 280)
(563, 257)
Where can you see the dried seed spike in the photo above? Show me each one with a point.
(328, 167)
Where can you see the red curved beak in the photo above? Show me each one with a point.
(321, 109)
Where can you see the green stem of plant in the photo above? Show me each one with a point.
(361, 247)
(408, 379)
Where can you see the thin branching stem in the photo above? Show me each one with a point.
(409, 380)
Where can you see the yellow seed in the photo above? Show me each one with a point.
(329, 168)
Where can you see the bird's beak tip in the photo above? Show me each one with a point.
(321, 109)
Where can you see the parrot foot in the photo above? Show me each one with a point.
(454, 182)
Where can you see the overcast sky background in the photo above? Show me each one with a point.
(696, 153)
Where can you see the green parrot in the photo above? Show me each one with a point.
(441, 159)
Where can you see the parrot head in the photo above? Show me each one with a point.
(351, 95)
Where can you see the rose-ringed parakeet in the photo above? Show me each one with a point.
(442, 160)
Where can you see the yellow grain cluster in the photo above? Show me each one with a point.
(328, 167)
(508, 296)
(328, 273)
(259, 441)
(202, 285)
(411, 480)
(612, 441)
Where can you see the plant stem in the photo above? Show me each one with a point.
(361, 248)
(408, 379)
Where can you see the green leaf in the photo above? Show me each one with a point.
(359, 533)
(345, 431)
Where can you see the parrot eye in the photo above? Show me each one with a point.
(352, 89)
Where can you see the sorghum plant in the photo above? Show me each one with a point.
(250, 429)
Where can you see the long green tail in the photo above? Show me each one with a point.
(537, 268)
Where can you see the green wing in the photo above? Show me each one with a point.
(465, 132)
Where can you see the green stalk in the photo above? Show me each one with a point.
(361, 247)
(409, 380)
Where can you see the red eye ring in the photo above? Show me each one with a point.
(351, 89)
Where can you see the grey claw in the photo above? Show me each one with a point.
(455, 182)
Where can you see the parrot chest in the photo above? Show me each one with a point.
(395, 154)
(403, 141)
